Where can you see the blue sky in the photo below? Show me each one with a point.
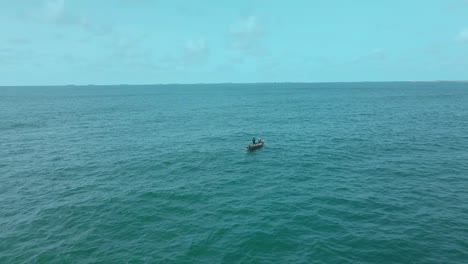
(54, 42)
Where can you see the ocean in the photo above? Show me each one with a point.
(349, 173)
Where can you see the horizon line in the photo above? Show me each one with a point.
(237, 83)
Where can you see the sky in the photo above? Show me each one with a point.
(61, 42)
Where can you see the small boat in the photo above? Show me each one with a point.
(256, 145)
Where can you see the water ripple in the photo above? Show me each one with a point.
(161, 175)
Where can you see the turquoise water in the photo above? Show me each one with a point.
(350, 173)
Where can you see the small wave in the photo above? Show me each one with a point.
(21, 125)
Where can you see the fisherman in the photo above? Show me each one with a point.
(253, 141)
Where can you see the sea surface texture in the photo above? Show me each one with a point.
(350, 173)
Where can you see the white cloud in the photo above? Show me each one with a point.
(20, 41)
(374, 55)
(247, 35)
(122, 48)
(463, 35)
(125, 50)
(196, 51)
(15, 56)
(55, 12)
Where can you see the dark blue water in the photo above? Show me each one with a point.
(350, 173)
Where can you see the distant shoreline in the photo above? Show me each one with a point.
(460, 81)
